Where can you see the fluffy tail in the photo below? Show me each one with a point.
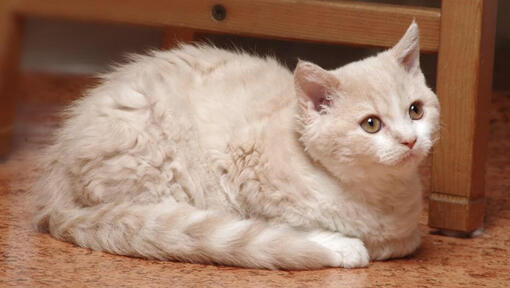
(176, 231)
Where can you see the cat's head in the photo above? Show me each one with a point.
(377, 112)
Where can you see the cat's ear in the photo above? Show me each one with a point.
(407, 50)
(314, 84)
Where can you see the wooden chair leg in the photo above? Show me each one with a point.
(466, 51)
(174, 35)
(10, 40)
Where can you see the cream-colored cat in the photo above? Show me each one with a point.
(203, 155)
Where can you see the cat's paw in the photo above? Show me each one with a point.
(349, 252)
(395, 248)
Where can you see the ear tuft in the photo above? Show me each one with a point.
(407, 50)
(312, 83)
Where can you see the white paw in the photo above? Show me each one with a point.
(349, 252)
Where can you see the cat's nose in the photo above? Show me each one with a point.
(409, 143)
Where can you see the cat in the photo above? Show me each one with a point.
(203, 155)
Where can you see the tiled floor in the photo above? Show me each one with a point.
(29, 259)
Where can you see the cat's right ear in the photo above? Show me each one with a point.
(407, 50)
(314, 84)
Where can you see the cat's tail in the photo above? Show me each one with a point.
(176, 231)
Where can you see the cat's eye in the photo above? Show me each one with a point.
(371, 124)
(416, 110)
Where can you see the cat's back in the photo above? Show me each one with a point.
(166, 111)
(201, 83)
(226, 85)
(198, 80)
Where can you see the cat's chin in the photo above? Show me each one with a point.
(408, 157)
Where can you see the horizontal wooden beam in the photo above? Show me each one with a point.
(366, 24)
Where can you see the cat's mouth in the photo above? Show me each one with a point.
(409, 156)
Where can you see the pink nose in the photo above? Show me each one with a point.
(410, 144)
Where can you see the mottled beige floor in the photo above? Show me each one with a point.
(29, 259)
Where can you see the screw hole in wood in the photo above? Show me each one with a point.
(218, 12)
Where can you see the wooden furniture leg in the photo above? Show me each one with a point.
(466, 50)
(175, 35)
(10, 40)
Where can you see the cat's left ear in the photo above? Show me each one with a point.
(407, 50)
(314, 84)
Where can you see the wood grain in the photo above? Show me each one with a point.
(456, 213)
(464, 79)
(10, 40)
(325, 21)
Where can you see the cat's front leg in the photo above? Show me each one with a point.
(395, 248)
(349, 252)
